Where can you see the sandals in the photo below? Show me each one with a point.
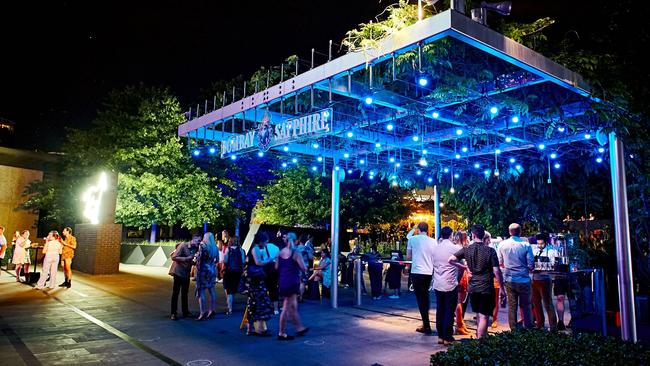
(301, 333)
(201, 317)
(285, 337)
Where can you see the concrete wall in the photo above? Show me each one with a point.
(12, 184)
(98, 248)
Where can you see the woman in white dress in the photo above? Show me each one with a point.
(52, 251)
(21, 255)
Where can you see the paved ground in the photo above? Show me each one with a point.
(123, 320)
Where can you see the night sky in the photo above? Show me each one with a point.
(60, 58)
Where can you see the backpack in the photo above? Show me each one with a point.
(235, 263)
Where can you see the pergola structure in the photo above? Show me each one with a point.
(444, 99)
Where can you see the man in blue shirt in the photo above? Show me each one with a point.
(516, 259)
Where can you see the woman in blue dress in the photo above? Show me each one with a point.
(206, 274)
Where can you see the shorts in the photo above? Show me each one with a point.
(290, 290)
(560, 286)
(482, 303)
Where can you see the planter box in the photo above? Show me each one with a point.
(148, 255)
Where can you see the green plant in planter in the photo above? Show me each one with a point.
(533, 347)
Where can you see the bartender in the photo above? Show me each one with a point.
(544, 253)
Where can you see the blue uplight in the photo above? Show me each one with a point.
(435, 115)
(390, 127)
(212, 150)
(368, 100)
(196, 152)
(515, 119)
(350, 134)
(599, 160)
(494, 110)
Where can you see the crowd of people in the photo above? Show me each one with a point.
(56, 249)
(268, 273)
(487, 271)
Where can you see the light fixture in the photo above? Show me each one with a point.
(457, 156)
(435, 115)
(391, 159)
(518, 167)
(515, 119)
(397, 165)
(446, 170)
(496, 172)
(377, 145)
(346, 155)
(337, 168)
(429, 180)
(394, 183)
(416, 138)
(314, 168)
(561, 128)
(456, 175)
(349, 171)
(284, 165)
(512, 160)
(508, 139)
(477, 165)
(368, 100)
(294, 160)
(587, 136)
(601, 150)
(212, 150)
(260, 154)
(350, 134)
(423, 162)
(553, 155)
(315, 145)
(371, 176)
(320, 158)
(486, 172)
(452, 190)
(92, 198)
(425, 151)
(418, 172)
(196, 152)
(423, 81)
(464, 149)
(494, 110)
(390, 127)
(557, 165)
(459, 132)
(541, 146)
(233, 157)
(599, 160)
(362, 161)
(286, 148)
(497, 151)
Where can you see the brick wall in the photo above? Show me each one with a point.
(98, 248)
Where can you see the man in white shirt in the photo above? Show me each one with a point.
(516, 259)
(420, 251)
(542, 295)
(445, 283)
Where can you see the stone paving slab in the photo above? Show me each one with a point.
(123, 319)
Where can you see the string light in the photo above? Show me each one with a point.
(446, 170)
(477, 165)
(423, 162)
(368, 100)
(515, 119)
(456, 175)
(601, 150)
(518, 167)
(464, 149)
(553, 155)
(212, 150)
(350, 134)
(459, 132)
(196, 152)
(315, 145)
(416, 138)
(512, 160)
(346, 155)
(429, 180)
(557, 165)
(349, 171)
(508, 139)
(418, 172)
(425, 151)
(362, 161)
(435, 115)
(561, 128)
(284, 165)
(423, 81)
(377, 145)
(494, 110)
(457, 156)
(391, 159)
(397, 165)
(260, 154)
(320, 158)
(233, 157)
(587, 136)
(294, 160)
(314, 168)
(541, 146)
(390, 127)
(286, 148)
(599, 160)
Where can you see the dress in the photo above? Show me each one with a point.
(206, 270)
(21, 254)
(258, 302)
(327, 271)
(289, 274)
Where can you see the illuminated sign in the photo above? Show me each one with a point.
(92, 198)
(267, 136)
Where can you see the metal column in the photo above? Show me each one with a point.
(436, 213)
(622, 232)
(334, 227)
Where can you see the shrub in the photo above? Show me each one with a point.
(534, 347)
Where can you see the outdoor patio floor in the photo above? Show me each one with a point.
(123, 319)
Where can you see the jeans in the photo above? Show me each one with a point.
(445, 310)
(181, 284)
(542, 294)
(519, 295)
(421, 285)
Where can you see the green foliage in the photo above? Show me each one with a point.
(534, 347)
(296, 198)
(364, 204)
(530, 34)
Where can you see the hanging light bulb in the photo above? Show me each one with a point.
(515, 119)
(390, 127)
(212, 150)
(435, 115)
(315, 145)
(496, 172)
(508, 139)
(452, 190)
(286, 148)
(320, 158)
(391, 159)
(494, 110)
(260, 154)
(196, 152)
(464, 149)
(423, 162)
(350, 134)
(233, 157)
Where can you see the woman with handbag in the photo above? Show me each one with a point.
(206, 274)
(258, 303)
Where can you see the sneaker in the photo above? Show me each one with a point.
(301, 333)
(173, 317)
(393, 297)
